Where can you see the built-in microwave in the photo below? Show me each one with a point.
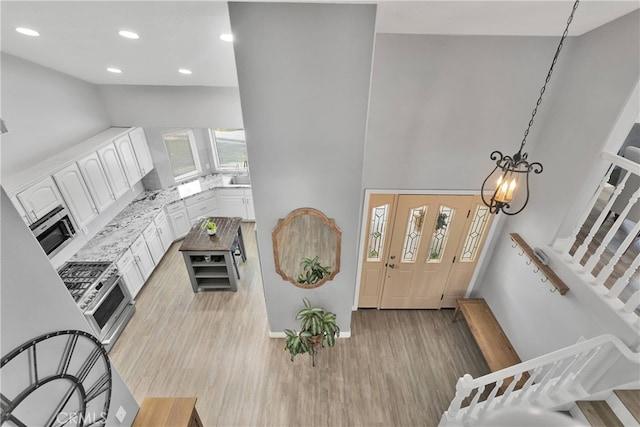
(54, 231)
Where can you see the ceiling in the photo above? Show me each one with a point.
(80, 38)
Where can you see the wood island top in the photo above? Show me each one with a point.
(198, 240)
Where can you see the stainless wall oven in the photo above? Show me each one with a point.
(54, 231)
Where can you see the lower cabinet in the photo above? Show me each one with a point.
(237, 202)
(142, 257)
(179, 219)
(130, 272)
(164, 230)
(154, 244)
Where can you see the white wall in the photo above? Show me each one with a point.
(45, 112)
(172, 106)
(602, 69)
(441, 104)
(304, 72)
(34, 301)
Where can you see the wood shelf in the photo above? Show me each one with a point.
(544, 269)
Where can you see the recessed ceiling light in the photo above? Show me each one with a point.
(114, 70)
(184, 71)
(27, 31)
(226, 37)
(129, 34)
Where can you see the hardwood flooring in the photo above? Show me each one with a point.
(399, 368)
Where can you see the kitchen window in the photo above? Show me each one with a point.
(229, 149)
(183, 153)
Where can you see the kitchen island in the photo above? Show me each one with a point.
(210, 259)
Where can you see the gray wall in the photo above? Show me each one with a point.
(45, 112)
(34, 301)
(172, 106)
(304, 72)
(602, 69)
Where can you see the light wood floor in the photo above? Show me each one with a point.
(399, 368)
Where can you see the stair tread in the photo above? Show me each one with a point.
(630, 399)
(599, 413)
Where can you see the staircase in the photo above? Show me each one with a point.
(621, 408)
(553, 382)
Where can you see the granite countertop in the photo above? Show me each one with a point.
(116, 237)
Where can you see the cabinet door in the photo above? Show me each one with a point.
(40, 199)
(153, 243)
(130, 272)
(164, 230)
(96, 181)
(142, 257)
(113, 170)
(141, 148)
(251, 213)
(180, 223)
(232, 203)
(128, 158)
(76, 194)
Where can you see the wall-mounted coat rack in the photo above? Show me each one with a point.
(549, 274)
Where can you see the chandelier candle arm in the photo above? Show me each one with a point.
(513, 167)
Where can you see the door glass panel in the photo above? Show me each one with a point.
(476, 230)
(379, 217)
(440, 234)
(412, 236)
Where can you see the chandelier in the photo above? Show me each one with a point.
(514, 170)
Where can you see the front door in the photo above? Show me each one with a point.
(421, 250)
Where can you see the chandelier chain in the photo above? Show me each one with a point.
(553, 63)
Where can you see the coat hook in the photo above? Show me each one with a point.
(545, 279)
(521, 253)
(514, 244)
(537, 269)
(552, 290)
(528, 261)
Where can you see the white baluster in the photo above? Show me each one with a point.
(463, 388)
(507, 394)
(526, 388)
(577, 256)
(612, 231)
(487, 403)
(623, 281)
(592, 202)
(606, 271)
(545, 383)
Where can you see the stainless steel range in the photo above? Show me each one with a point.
(100, 292)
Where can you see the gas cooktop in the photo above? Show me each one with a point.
(79, 277)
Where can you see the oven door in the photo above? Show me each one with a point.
(56, 237)
(105, 314)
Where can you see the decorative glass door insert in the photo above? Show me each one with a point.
(377, 231)
(440, 234)
(413, 234)
(477, 228)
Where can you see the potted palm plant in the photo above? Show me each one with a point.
(317, 327)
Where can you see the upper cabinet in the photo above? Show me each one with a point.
(96, 181)
(141, 149)
(128, 158)
(40, 199)
(76, 194)
(113, 170)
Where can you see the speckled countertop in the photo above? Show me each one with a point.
(116, 237)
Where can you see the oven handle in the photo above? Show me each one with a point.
(65, 222)
(117, 282)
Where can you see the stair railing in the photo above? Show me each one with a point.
(552, 380)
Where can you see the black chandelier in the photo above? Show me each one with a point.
(516, 168)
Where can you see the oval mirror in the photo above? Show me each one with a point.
(306, 248)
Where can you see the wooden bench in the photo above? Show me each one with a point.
(491, 339)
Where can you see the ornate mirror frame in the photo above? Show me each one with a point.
(285, 227)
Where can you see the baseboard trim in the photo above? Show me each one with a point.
(343, 334)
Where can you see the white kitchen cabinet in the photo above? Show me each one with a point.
(130, 272)
(40, 198)
(127, 156)
(142, 257)
(236, 202)
(96, 181)
(178, 218)
(164, 230)
(113, 170)
(202, 205)
(141, 149)
(154, 244)
(76, 194)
